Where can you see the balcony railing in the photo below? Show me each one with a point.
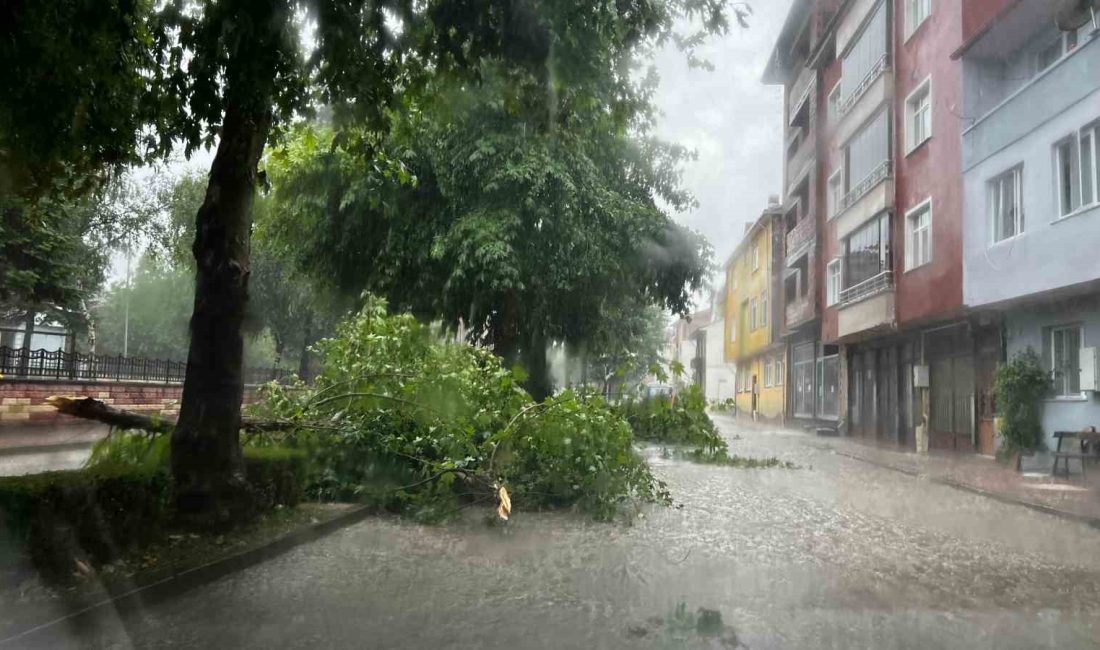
(869, 287)
(873, 74)
(877, 175)
(800, 90)
(802, 233)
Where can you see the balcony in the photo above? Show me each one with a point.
(802, 160)
(866, 306)
(866, 199)
(874, 91)
(801, 238)
(798, 312)
(800, 92)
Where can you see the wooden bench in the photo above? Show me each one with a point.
(1086, 439)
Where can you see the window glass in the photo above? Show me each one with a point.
(867, 150)
(1066, 360)
(868, 50)
(919, 112)
(1069, 179)
(915, 13)
(836, 192)
(1004, 205)
(833, 282)
(918, 243)
(867, 252)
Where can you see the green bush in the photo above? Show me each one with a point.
(1020, 386)
(415, 423)
(277, 475)
(92, 515)
(679, 420)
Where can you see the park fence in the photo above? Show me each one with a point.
(58, 364)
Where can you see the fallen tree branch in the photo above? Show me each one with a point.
(89, 408)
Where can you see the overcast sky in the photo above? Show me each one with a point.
(732, 121)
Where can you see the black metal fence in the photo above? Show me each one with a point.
(58, 364)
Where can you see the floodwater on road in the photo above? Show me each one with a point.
(835, 554)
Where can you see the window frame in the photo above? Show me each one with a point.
(911, 263)
(832, 294)
(1017, 172)
(752, 314)
(769, 373)
(1078, 174)
(779, 370)
(911, 27)
(925, 88)
(1060, 383)
(834, 100)
(764, 308)
(755, 254)
(836, 179)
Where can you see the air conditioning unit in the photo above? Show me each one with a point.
(1090, 369)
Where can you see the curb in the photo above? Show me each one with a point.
(133, 597)
(1093, 522)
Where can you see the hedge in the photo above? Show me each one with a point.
(100, 513)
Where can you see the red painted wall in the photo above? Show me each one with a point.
(976, 14)
(934, 169)
(829, 161)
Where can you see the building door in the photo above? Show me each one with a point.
(951, 360)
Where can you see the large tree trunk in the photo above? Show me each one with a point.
(206, 454)
(538, 382)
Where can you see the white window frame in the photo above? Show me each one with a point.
(911, 234)
(833, 283)
(834, 102)
(779, 371)
(992, 192)
(756, 254)
(1081, 152)
(835, 191)
(1059, 383)
(916, 12)
(764, 308)
(769, 370)
(752, 314)
(921, 111)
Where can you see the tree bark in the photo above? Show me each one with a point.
(206, 455)
(89, 408)
(538, 372)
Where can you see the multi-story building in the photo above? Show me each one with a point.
(1031, 190)
(874, 85)
(752, 317)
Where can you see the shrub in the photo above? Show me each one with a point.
(680, 419)
(277, 476)
(1020, 386)
(92, 515)
(418, 424)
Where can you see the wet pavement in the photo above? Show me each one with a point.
(837, 554)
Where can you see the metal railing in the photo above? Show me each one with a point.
(867, 288)
(876, 71)
(877, 175)
(57, 364)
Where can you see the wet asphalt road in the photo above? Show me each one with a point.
(836, 554)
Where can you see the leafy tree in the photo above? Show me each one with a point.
(234, 71)
(1020, 386)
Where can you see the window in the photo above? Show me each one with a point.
(832, 279)
(867, 251)
(918, 115)
(1065, 369)
(752, 314)
(779, 371)
(764, 309)
(918, 236)
(1057, 47)
(769, 373)
(916, 11)
(868, 51)
(836, 192)
(755, 254)
(1005, 205)
(1077, 177)
(828, 372)
(866, 153)
(834, 102)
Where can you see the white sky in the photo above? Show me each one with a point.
(732, 121)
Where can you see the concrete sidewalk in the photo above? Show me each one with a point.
(36, 438)
(1071, 497)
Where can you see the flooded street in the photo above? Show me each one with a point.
(835, 554)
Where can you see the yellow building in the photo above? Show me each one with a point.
(752, 318)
